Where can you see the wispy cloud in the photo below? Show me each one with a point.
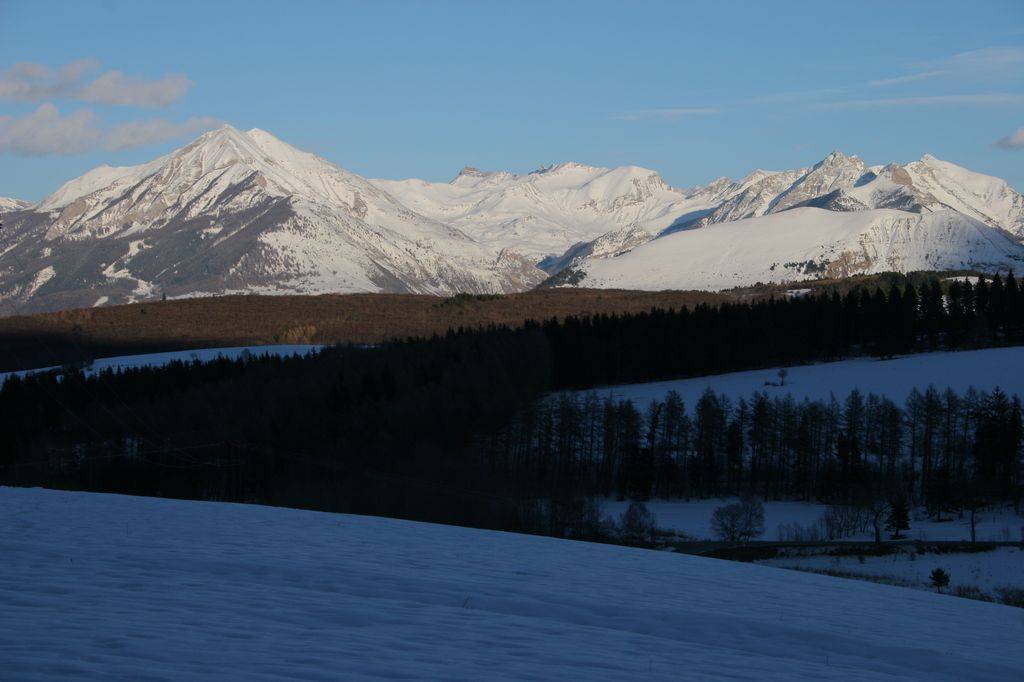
(1001, 67)
(974, 99)
(668, 114)
(46, 131)
(1012, 142)
(34, 82)
(798, 96)
(988, 62)
(909, 78)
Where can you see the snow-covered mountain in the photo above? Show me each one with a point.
(804, 243)
(244, 212)
(7, 205)
(570, 215)
(237, 211)
(984, 197)
(844, 183)
(551, 210)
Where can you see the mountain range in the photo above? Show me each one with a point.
(242, 211)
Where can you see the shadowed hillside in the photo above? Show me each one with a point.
(73, 335)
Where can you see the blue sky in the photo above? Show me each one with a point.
(399, 89)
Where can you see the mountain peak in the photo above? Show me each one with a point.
(228, 134)
(220, 132)
(719, 183)
(838, 158)
(562, 167)
(470, 172)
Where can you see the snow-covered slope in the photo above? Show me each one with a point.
(806, 243)
(111, 587)
(984, 197)
(752, 196)
(894, 378)
(546, 212)
(834, 173)
(844, 183)
(692, 518)
(7, 204)
(237, 211)
(125, 362)
(106, 179)
(571, 214)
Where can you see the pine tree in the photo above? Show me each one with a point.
(899, 517)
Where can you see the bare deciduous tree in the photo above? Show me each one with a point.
(637, 525)
(739, 522)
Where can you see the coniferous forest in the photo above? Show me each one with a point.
(489, 427)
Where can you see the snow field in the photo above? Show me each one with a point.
(771, 248)
(693, 519)
(894, 378)
(1000, 567)
(112, 587)
(160, 359)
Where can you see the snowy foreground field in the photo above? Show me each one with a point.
(105, 586)
(161, 359)
(982, 369)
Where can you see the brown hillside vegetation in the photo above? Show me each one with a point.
(73, 335)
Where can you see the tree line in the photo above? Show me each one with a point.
(945, 450)
(663, 344)
(462, 428)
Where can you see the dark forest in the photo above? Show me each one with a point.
(476, 426)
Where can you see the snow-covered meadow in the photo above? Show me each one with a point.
(982, 369)
(988, 571)
(114, 587)
(192, 355)
(692, 518)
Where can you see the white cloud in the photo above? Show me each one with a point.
(114, 87)
(669, 114)
(977, 99)
(153, 131)
(33, 82)
(1013, 142)
(987, 62)
(46, 131)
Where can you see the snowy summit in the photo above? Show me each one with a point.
(242, 211)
